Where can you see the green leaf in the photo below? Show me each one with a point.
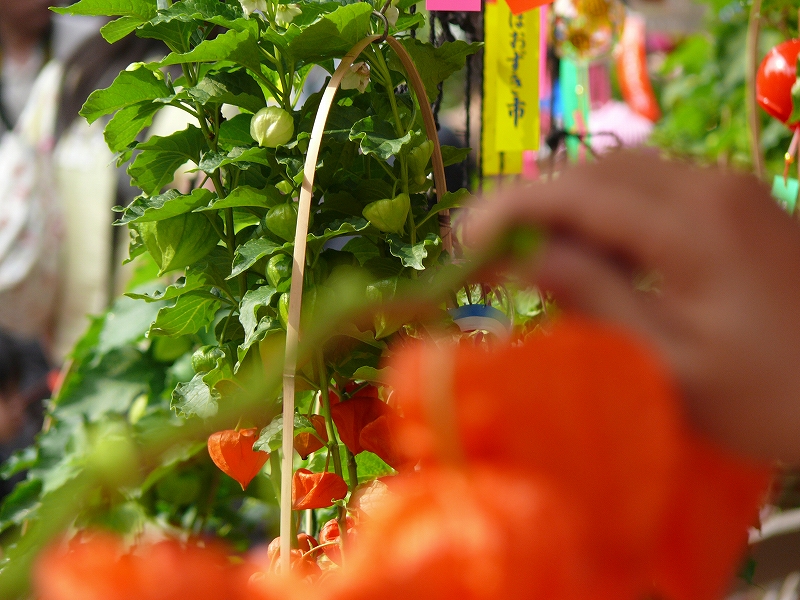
(190, 313)
(228, 15)
(452, 155)
(271, 437)
(435, 64)
(239, 156)
(177, 454)
(236, 46)
(406, 22)
(450, 200)
(20, 503)
(335, 229)
(198, 276)
(371, 466)
(145, 9)
(412, 256)
(179, 241)
(244, 196)
(20, 461)
(373, 375)
(378, 137)
(175, 34)
(124, 126)
(166, 205)
(129, 88)
(236, 131)
(252, 251)
(117, 29)
(160, 156)
(237, 88)
(332, 35)
(363, 249)
(195, 398)
(109, 387)
(248, 311)
(124, 324)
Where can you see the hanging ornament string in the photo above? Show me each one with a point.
(301, 233)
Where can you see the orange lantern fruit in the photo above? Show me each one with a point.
(306, 443)
(351, 416)
(232, 451)
(316, 490)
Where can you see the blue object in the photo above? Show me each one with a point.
(474, 317)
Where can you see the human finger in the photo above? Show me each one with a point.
(582, 280)
(632, 205)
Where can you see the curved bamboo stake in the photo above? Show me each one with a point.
(299, 262)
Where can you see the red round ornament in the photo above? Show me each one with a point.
(774, 80)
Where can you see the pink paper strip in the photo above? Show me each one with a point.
(454, 5)
(530, 168)
(544, 76)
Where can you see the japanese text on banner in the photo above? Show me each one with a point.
(511, 87)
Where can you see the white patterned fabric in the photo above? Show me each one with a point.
(30, 230)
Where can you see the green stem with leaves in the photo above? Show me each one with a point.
(333, 441)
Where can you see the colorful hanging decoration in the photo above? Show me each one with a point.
(511, 88)
(632, 70)
(521, 6)
(584, 30)
(573, 78)
(776, 75)
(454, 5)
(785, 191)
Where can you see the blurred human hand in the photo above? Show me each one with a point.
(724, 314)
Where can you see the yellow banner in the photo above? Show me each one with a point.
(510, 120)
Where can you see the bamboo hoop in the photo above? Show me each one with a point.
(298, 261)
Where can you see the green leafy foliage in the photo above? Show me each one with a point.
(132, 381)
(701, 87)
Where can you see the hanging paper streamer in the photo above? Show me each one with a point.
(785, 191)
(521, 6)
(454, 5)
(634, 79)
(511, 88)
(574, 83)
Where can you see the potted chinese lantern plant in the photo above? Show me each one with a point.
(170, 371)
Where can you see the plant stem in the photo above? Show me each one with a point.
(333, 441)
(352, 469)
(229, 226)
(751, 66)
(386, 168)
(270, 86)
(275, 475)
(219, 231)
(386, 78)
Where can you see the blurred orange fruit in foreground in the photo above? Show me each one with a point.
(557, 470)
(98, 566)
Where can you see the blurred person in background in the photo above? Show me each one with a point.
(28, 227)
(23, 386)
(32, 45)
(25, 47)
(58, 182)
(90, 184)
